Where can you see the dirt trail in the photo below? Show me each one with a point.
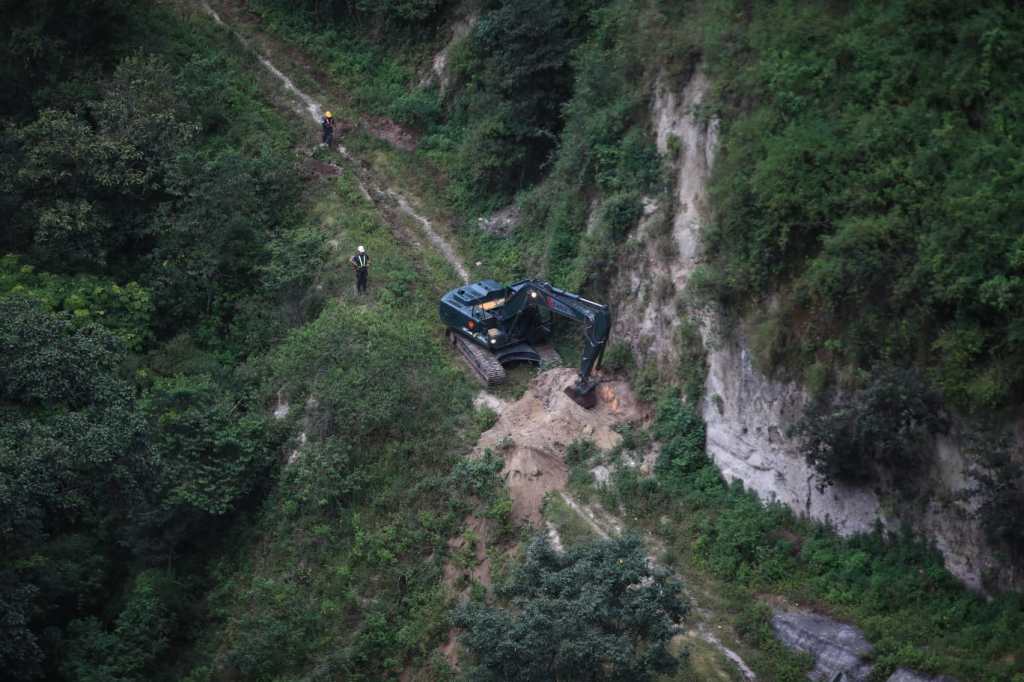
(370, 188)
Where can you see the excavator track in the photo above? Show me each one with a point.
(484, 364)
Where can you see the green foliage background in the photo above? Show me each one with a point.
(166, 281)
(870, 170)
(596, 612)
(145, 188)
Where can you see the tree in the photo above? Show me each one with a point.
(517, 77)
(597, 612)
(880, 430)
(71, 444)
(139, 637)
(70, 435)
(44, 42)
(209, 450)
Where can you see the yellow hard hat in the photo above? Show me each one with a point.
(328, 114)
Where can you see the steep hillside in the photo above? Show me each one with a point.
(218, 461)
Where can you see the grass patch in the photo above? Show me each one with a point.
(572, 529)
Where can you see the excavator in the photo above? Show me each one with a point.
(494, 325)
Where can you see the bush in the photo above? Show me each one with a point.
(682, 435)
(477, 477)
(580, 451)
(883, 429)
(597, 612)
(125, 310)
(619, 214)
(418, 109)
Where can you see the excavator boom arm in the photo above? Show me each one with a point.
(595, 318)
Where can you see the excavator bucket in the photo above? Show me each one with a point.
(585, 399)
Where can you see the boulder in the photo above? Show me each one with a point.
(836, 647)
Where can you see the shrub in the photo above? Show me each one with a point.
(882, 429)
(619, 214)
(693, 364)
(597, 612)
(580, 451)
(682, 435)
(477, 477)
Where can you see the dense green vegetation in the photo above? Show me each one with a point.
(913, 611)
(146, 189)
(871, 170)
(595, 612)
(340, 574)
(216, 462)
(604, 150)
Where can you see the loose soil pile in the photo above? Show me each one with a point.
(531, 435)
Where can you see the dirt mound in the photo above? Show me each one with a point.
(532, 433)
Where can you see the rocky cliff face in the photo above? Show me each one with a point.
(747, 413)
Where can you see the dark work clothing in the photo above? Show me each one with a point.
(361, 263)
(328, 126)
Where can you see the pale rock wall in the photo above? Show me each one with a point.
(440, 74)
(747, 416)
(747, 413)
(648, 324)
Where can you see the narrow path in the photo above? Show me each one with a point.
(367, 185)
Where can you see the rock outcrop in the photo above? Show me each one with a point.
(749, 414)
(837, 648)
(841, 652)
(440, 74)
(904, 675)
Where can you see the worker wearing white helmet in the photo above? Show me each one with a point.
(361, 264)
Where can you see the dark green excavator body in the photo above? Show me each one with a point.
(504, 324)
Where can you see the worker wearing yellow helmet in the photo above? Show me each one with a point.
(328, 127)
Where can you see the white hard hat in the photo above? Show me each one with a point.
(361, 249)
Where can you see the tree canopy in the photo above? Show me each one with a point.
(598, 612)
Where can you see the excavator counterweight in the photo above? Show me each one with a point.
(494, 325)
